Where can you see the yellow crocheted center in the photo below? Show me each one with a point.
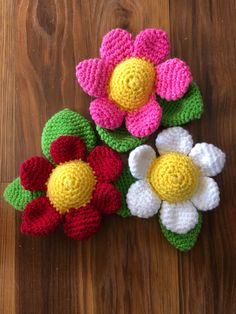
(70, 185)
(174, 177)
(132, 83)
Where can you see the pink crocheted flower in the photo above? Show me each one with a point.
(127, 76)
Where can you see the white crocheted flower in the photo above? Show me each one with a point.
(177, 182)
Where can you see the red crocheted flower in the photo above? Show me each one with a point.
(78, 191)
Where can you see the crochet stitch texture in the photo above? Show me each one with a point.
(122, 184)
(181, 111)
(72, 189)
(17, 196)
(126, 78)
(120, 140)
(183, 242)
(174, 177)
(67, 122)
(178, 182)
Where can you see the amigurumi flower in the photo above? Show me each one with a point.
(75, 190)
(178, 181)
(128, 75)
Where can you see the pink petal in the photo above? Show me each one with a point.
(152, 44)
(145, 120)
(173, 79)
(106, 114)
(93, 76)
(116, 46)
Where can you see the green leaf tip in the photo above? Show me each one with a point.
(17, 196)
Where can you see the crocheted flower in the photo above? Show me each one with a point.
(178, 181)
(128, 75)
(72, 189)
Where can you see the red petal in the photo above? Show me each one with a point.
(34, 173)
(66, 148)
(40, 217)
(106, 198)
(82, 223)
(106, 163)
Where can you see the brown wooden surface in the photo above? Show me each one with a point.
(128, 267)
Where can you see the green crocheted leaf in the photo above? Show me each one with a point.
(120, 139)
(17, 196)
(122, 184)
(183, 242)
(184, 110)
(67, 122)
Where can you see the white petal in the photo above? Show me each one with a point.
(209, 158)
(140, 160)
(179, 218)
(142, 200)
(174, 139)
(207, 195)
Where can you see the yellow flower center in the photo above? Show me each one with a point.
(132, 83)
(70, 185)
(174, 177)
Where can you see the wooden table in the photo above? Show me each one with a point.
(128, 267)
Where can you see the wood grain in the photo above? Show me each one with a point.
(7, 257)
(128, 267)
(207, 274)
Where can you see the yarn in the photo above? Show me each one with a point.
(182, 242)
(178, 73)
(209, 157)
(174, 177)
(140, 160)
(106, 198)
(179, 217)
(174, 139)
(120, 139)
(207, 195)
(77, 192)
(93, 75)
(122, 184)
(105, 112)
(130, 72)
(106, 163)
(153, 44)
(70, 185)
(39, 217)
(17, 196)
(82, 224)
(117, 45)
(142, 200)
(181, 111)
(144, 121)
(67, 122)
(67, 148)
(176, 183)
(132, 83)
(34, 173)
